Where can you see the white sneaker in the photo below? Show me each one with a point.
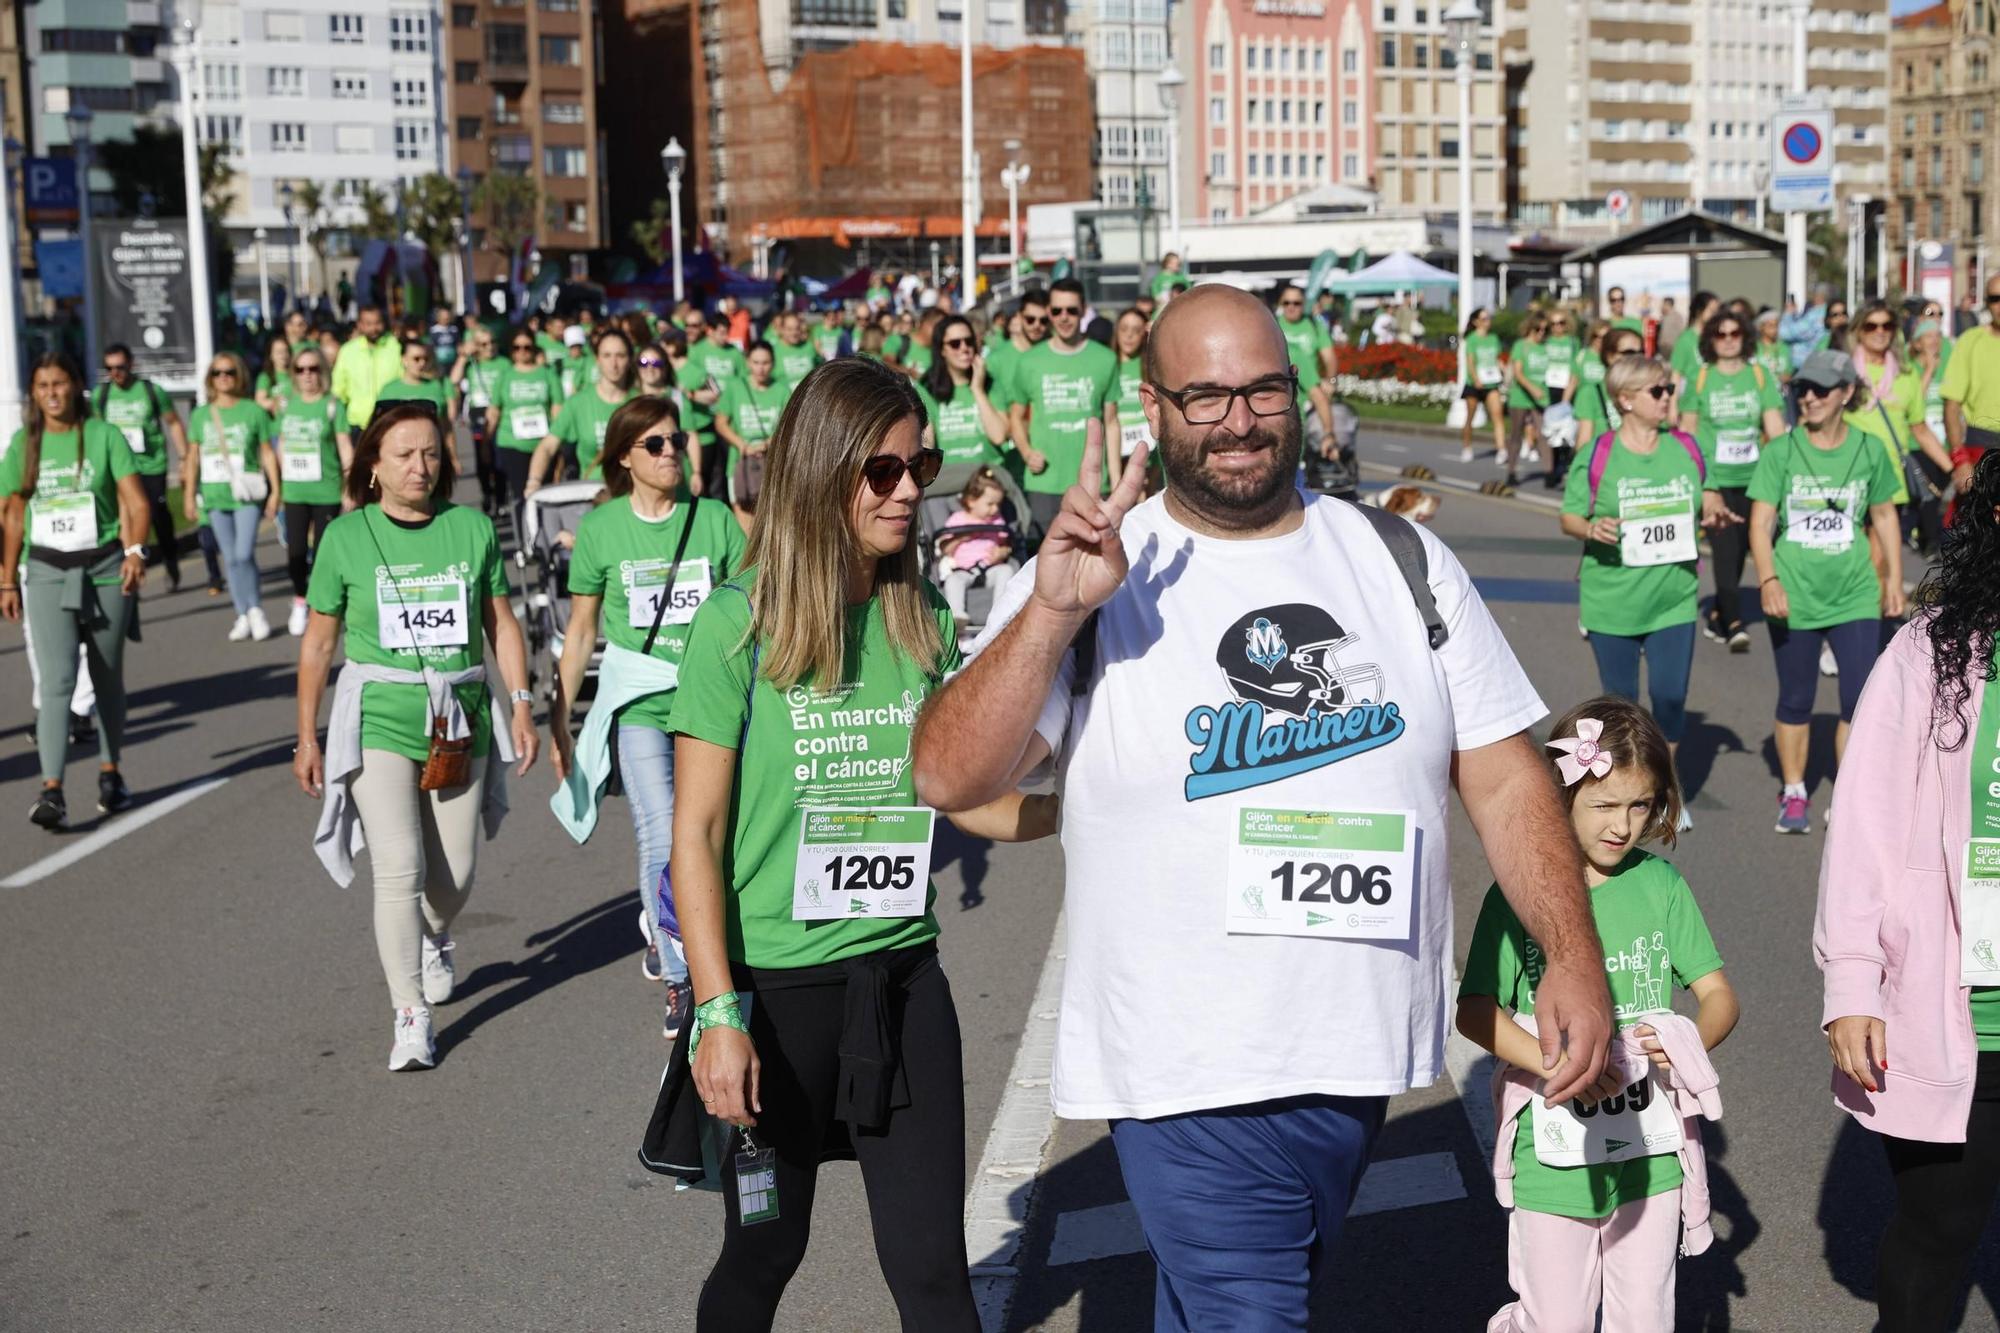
(440, 976)
(260, 628)
(296, 626)
(1686, 821)
(1465, 455)
(240, 630)
(1829, 665)
(413, 1048)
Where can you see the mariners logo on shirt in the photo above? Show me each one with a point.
(1299, 700)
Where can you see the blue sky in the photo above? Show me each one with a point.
(1905, 6)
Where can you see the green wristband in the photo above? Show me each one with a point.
(721, 1011)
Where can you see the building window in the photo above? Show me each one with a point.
(414, 141)
(353, 139)
(412, 94)
(1218, 56)
(1319, 166)
(1250, 161)
(285, 81)
(288, 137)
(225, 130)
(562, 111)
(572, 215)
(561, 51)
(1152, 48)
(1350, 166)
(1250, 112)
(1218, 165)
(285, 27)
(344, 29)
(1285, 59)
(1216, 114)
(566, 162)
(1975, 120)
(513, 152)
(1388, 53)
(464, 16)
(465, 71)
(1421, 53)
(1937, 122)
(834, 13)
(1285, 113)
(84, 41)
(1975, 166)
(1319, 60)
(1350, 112)
(506, 44)
(1350, 60)
(505, 112)
(350, 85)
(1909, 176)
(1270, 166)
(1482, 60)
(469, 127)
(410, 31)
(1319, 113)
(1448, 148)
(222, 83)
(1937, 165)
(1114, 48)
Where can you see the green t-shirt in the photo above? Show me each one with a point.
(848, 745)
(68, 472)
(793, 363)
(918, 359)
(433, 392)
(308, 444)
(245, 427)
(1559, 364)
(1641, 491)
(1131, 410)
(139, 414)
(1729, 419)
(1304, 339)
(1686, 355)
(278, 387)
(1533, 358)
(1064, 393)
(826, 341)
(552, 348)
(617, 550)
(426, 588)
(1629, 322)
(1776, 359)
(753, 412)
(1482, 361)
(1822, 498)
(1163, 280)
(1934, 406)
(577, 373)
(696, 419)
(581, 424)
(527, 400)
(1654, 939)
(956, 430)
(481, 381)
(720, 363)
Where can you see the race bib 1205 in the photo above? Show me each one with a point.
(862, 861)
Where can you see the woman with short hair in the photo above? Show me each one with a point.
(232, 472)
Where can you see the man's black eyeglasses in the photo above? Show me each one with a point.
(658, 444)
(1206, 404)
(884, 472)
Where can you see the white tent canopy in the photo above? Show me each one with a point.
(1400, 272)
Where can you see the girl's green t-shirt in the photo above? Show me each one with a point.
(618, 551)
(223, 433)
(1482, 360)
(1822, 498)
(527, 400)
(581, 425)
(1729, 419)
(70, 469)
(279, 387)
(1654, 939)
(846, 744)
(411, 597)
(752, 412)
(433, 392)
(1533, 358)
(308, 445)
(956, 430)
(1637, 489)
(1560, 364)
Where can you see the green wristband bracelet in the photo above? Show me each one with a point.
(721, 1011)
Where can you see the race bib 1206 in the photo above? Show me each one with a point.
(1338, 874)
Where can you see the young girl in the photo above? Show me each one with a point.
(985, 550)
(1606, 1233)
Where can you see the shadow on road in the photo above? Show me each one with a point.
(593, 938)
(1710, 1280)
(971, 854)
(1820, 767)
(1700, 744)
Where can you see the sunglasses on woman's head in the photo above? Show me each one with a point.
(884, 472)
(658, 444)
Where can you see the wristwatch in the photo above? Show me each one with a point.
(522, 697)
(139, 551)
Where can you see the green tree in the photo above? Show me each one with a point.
(510, 204)
(379, 221)
(431, 209)
(309, 215)
(653, 233)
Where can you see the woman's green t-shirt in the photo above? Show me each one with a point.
(76, 485)
(956, 430)
(581, 425)
(1482, 360)
(277, 386)
(1533, 358)
(1889, 419)
(481, 377)
(618, 551)
(1559, 367)
(1729, 410)
(1642, 491)
(792, 364)
(527, 400)
(308, 445)
(243, 428)
(803, 747)
(1822, 498)
(753, 412)
(411, 597)
(433, 392)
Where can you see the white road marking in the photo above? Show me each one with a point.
(1003, 1186)
(1401, 1182)
(1472, 1074)
(110, 833)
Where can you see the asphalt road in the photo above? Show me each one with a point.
(197, 1131)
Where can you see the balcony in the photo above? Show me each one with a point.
(507, 60)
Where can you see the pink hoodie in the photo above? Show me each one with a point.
(1886, 934)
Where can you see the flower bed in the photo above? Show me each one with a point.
(1399, 361)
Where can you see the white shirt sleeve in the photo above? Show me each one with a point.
(1053, 724)
(1491, 696)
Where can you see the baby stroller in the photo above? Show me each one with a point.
(1015, 525)
(546, 516)
(1340, 474)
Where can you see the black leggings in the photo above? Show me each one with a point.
(913, 1169)
(166, 550)
(512, 465)
(1729, 544)
(1944, 1194)
(299, 518)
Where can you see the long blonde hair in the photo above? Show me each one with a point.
(803, 540)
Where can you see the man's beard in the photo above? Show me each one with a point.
(1236, 495)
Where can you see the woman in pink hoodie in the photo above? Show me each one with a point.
(1908, 929)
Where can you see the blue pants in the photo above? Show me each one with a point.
(1669, 655)
(236, 540)
(1856, 644)
(1241, 1204)
(646, 763)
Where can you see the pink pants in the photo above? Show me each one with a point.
(1561, 1268)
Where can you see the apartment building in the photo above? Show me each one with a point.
(1126, 45)
(1945, 108)
(1416, 110)
(523, 79)
(108, 55)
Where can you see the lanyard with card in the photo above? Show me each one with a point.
(1979, 887)
(756, 1172)
(64, 521)
(1656, 530)
(1332, 874)
(1640, 1121)
(862, 861)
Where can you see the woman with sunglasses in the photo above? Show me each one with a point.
(1813, 488)
(72, 504)
(1894, 415)
(274, 381)
(232, 453)
(965, 426)
(656, 372)
(413, 583)
(1527, 394)
(1595, 413)
(526, 395)
(1638, 517)
(801, 683)
(642, 566)
(577, 437)
(1731, 405)
(315, 447)
(1485, 376)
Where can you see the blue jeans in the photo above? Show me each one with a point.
(1241, 1205)
(236, 539)
(1669, 655)
(646, 763)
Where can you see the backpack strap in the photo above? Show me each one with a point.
(1600, 458)
(1701, 378)
(1413, 563)
(97, 399)
(1693, 451)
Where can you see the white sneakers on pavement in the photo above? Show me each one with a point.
(440, 974)
(260, 628)
(240, 631)
(414, 1048)
(296, 626)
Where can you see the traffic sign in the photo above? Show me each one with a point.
(1619, 205)
(1802, 156)
(49, 184)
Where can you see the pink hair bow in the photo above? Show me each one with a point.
(1582, 753)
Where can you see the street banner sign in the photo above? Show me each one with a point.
(1802, 156)
(49, 187)
(143, 294)
(60, 265)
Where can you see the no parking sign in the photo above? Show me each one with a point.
(1802, 156)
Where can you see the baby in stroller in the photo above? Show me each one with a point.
(975, 546)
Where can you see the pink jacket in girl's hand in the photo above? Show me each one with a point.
(1886, 934)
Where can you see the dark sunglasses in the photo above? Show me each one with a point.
(1818, 390)
(1732, 332)
(1993, 298)
(1065, 310)
(222, 372)
(959, 342)
(1043, 319)
(1291, 305)
(659, 444)
(884, 472)
(1877, 325)
(1660, 392)
(114, 367)
(524, 347)
(313, 369)
(651, 363)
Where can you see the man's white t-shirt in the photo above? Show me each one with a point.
(1222, 667)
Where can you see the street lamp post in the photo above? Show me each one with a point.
(1461, 24)
(10, 306)
(187, 23)
(1171, 82)
(263, 276)
(78, 118)
(1795, 223)
(1014, 175)
(674, 158)
(968, 168)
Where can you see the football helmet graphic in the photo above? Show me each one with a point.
(1288, 658)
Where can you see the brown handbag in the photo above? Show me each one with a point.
(449, 764)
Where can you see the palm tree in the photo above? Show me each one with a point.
(308, 206)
